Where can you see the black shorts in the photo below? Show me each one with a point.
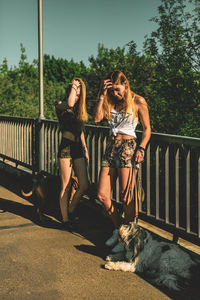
(70, 149)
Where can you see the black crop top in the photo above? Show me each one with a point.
(69, 122)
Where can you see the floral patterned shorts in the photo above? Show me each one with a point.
(120, 154)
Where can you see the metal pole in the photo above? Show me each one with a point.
(40, 55)
(41, 99)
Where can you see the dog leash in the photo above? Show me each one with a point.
(139, 194)
(139, 191)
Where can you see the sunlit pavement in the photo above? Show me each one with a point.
(42, 261)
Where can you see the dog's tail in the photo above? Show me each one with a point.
(26, 185)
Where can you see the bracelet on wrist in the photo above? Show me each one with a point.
(101, 98)
(58, 102)
(141, 148)
(73, 85)
(74, 88)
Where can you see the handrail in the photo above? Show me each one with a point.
(170, 174)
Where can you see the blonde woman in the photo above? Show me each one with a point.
(123, 109)
(72, 115)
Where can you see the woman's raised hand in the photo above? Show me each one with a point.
(76, 82)
(107, 84)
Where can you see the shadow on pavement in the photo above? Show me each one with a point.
(28, 212)
(92, 225)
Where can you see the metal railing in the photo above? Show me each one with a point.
(17, 140)
(170, 174)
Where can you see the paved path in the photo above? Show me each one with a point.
(44, 262)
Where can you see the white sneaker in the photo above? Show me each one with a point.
(118, 248)
(113, 239)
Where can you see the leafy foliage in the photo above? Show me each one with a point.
(166, 74)
(174, 47)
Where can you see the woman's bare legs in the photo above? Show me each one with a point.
(65, 175)
(80, 168)
(106, 180)
(127, 177)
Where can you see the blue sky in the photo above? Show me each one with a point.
(73, 29)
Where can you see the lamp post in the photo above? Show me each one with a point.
(41, 98)
(40, 56)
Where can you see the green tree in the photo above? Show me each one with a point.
(174, 47)
(166, 73)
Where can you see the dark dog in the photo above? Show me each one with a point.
(43, 191)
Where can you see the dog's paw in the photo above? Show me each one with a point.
(108, 258)
(109, 265)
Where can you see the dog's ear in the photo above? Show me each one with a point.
(144, 234)
(131, 232)
(40, 178)
(134, 229)
(136, 241)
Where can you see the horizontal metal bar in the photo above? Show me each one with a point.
(192, 236)
(159, 161)
(16, 119)
(17, 162)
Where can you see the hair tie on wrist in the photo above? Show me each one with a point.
(58, 102)
(74, 88)
(73, 84)
(101, 98)
(141, 148)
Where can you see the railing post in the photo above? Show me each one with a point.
(177, 187)
(167, 185)
(40, 59)
(34, 152)
(198, 192)
(41, 104)
(148, 177)
(40, 143)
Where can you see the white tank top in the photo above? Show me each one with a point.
(123, 124)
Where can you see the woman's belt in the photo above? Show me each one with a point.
(121, 137)
(70, 136)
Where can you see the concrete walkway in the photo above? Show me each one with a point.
(41, 261)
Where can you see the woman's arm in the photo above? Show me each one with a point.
(143, 114)
(70, 101)
(72, 96)
(84, 146)
(99, 112)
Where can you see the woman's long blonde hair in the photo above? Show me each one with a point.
(117, 77)
(80, 106)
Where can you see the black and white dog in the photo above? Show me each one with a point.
(165, 263)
